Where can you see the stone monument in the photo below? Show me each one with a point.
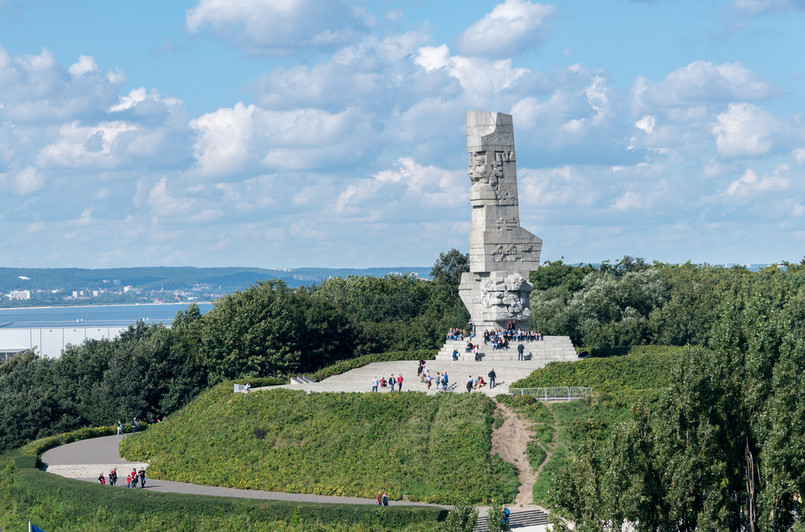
(496, 289)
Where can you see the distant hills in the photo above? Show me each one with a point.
(225, 280)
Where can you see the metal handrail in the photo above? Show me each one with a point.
(555, 393)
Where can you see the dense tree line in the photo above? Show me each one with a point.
(724, 446)
(266, 330)
(632, 302)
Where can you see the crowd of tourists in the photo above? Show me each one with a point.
(439, 381)
(500, 338)
(132, 479)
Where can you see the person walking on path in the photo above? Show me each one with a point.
(470, 383)
(113, 477)
(492, 376)
(375, 384)
(392, 382)
(399, 382)
(142, 478)
(444, 381)
(133, 478)
(119, 427)
(520, 349)
(379, 498)
(134, 425)
(385, 500)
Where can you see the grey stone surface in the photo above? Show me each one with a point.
(496, 289)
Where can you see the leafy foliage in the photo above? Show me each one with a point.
(723, 447)
(461, 518)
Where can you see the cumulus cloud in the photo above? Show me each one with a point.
(690, 89)
(271, 27)
(231, 140)
(408, 187)
(510, 28)
(750, 185)
(476, 75)
(744, 130)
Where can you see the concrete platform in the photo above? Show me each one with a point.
(360, 379)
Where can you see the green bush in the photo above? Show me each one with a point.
(536, 455)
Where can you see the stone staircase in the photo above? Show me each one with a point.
(526, 519)
(549, 349)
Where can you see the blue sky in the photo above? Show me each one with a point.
(331, 132)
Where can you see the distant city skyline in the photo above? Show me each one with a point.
(331, 132)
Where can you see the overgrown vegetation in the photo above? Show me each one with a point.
(414, 446)
(722, 447)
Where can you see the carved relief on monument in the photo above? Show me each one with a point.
(486, 168)
(515, 253)
(505, 296)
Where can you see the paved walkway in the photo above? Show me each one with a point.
(86, 459)
(360, 379)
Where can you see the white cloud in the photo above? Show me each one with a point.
(799, 155)
(223, 139)
(744, 130)
(476, 75)
(29, 180)
(232, 140)
(511, 27)
(749, 186)
(85, 64)
(647, 124)
(268, 26)
(698, 84)
(408, 187)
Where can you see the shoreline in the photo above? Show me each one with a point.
(104, 305)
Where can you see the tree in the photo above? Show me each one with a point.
(271, 330)
(462, 517)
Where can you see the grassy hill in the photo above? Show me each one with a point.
(414, 446)
(618, 382)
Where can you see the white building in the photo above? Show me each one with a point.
(19, 294)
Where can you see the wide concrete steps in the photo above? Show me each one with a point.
(549, 349)
(529, 518)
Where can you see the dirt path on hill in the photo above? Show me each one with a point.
(509, 442)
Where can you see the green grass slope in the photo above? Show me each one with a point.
(643, 369)
(424, 448)
(617, 381)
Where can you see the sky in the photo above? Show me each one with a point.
(331, 133)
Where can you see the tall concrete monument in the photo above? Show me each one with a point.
(496, 289)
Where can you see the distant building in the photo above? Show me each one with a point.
(19, 294)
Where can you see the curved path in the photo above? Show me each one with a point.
(86, 459)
